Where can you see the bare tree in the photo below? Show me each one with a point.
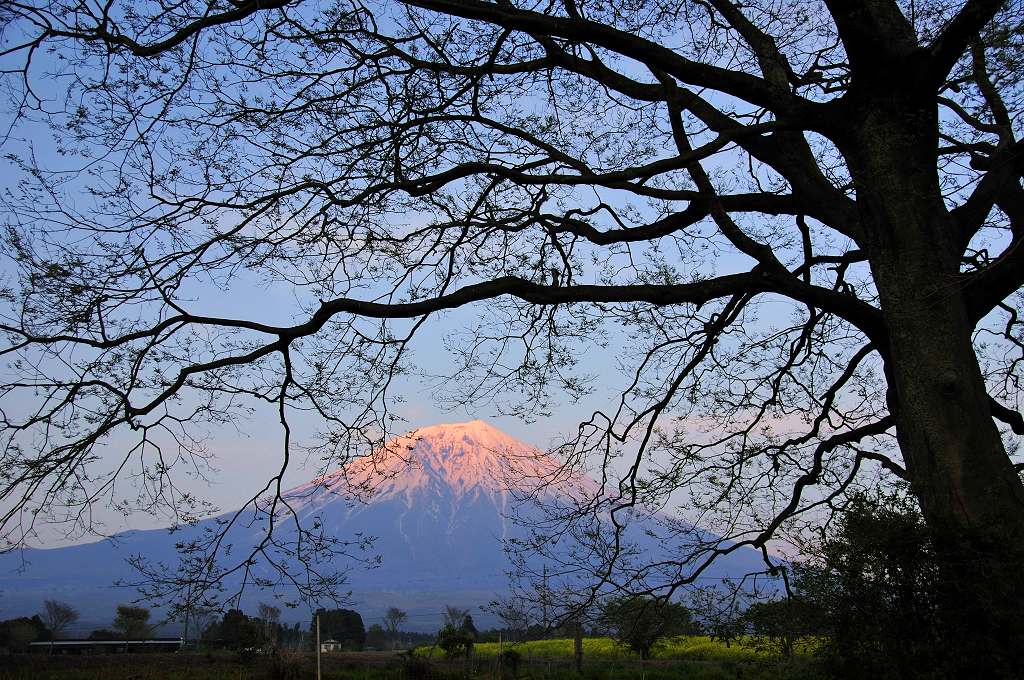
(514, 614)
(393, 620)
(797, 225)
(271, 617)
(454, 616)
(202, 618)
(57, 616)
(719, 611)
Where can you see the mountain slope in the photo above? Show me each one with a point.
(438, 502)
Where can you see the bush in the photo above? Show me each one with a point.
(778, 625)
(640, 623)
(877, 579)
(416, 667)
(510, 659)
(287, 665)
(455, 641)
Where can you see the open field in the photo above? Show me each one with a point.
(695, 658)
(690, 648)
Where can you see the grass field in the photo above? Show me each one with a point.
(685, 658)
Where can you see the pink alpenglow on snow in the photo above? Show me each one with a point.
(460, 459)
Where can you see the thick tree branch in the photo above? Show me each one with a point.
(874, 33)
(956, 37)
(860, 314)
(1002, 179)
(750, 88)
(1007, 415)
(699, 209)
(112, 37)
(774, 65)
(984, 290)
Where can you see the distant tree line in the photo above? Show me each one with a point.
(56, 617)
(346, 627)
(238, 631)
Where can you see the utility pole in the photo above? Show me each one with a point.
(318, 646)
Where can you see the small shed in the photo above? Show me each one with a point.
(331, 646)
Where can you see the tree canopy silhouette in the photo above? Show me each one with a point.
(663, 181)
(58, 616)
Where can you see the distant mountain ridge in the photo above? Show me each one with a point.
(437, 500)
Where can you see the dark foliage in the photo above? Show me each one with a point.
(376, 637)
(416, 667)
(778, 625)
(132, 623)
(343, 625)
(238, 631)
(458, 634)
(286, 665)
(511, 659)
(878, 592)
(16, 634)
(455, 641)
(641, 622)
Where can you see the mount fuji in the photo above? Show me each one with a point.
(437, 501)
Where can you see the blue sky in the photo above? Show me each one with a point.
(245, 453)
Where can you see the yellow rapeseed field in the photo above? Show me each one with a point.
(690, 647)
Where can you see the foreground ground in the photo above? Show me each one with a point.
(690, 658)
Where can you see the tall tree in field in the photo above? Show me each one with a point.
(201, 620)
(393, 620)
(57, 616)
(655, 181)
(270, 616)
(641, 623)
(454, 616)
(238, 631)
(133, 622)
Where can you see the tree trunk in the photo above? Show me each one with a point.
(577, 645)
(970, 495)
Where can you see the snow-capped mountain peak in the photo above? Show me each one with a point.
(451, 459)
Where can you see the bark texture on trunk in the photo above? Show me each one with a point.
(970, 495)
